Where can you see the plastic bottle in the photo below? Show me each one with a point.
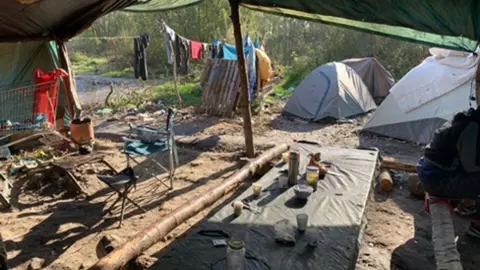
(236, 255)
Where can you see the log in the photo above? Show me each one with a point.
(385, 181)
(393, 164)
(155, 232)
(443, 237)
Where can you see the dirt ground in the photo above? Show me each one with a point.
(62, 231)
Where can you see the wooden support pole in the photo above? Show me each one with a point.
(155, 232)
(244, 88)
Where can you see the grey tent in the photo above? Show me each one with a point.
(333, 90)
(375, 76)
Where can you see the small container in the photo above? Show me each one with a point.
(293, 164)
(283, 180)
(302, 221)
(312, 176)
(237, 208)
(236, 255)
(257, 189)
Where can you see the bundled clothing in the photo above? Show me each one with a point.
(140, 45)
(197, 50)
(169, 37)
(450, 167)
(264, 68)
(182, 54)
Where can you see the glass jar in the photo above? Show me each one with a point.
(312, 176)
(236, 255)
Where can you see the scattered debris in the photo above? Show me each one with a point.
(104, 112)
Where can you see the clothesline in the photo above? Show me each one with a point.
(186, 49)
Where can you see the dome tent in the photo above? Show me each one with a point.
(375, 76)
(333, 90)
(426, 97)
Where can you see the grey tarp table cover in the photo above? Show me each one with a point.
(335, 210)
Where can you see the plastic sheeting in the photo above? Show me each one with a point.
(436, 76)
(333, 90)
(52, 19)
(336, 219)
(449, 24)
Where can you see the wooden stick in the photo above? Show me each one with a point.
(247, 113)
(443, 237)
(393, 164)
(155, 232)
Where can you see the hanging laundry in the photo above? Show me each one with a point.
(250, 62)
(207, 50)
(140, 53)
(182, 54)
(169, 37)
(229, 52)
(265, 70)
(197, 50)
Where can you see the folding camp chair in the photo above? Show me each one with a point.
(145, 141)
(121, 183)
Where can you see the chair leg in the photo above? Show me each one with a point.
(109, 210)
(172, 167)
(175, 152)
(123, 207)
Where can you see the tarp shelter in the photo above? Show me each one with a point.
(35, 23)
(375, 76)
(333, 90)
(449, 23)
(426, 97)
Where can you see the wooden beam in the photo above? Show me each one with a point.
(443, 237)
(244, 88)
(155, 232)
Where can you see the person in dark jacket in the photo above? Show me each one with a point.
(450, 167)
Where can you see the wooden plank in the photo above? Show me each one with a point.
(218, 88)
(225, 88)
(443, 237)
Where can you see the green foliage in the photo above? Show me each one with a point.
(126, 72)
(190, 93)
(86, 64)
(296, 47)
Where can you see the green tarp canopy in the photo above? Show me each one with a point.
(51, 19)
(449, 24)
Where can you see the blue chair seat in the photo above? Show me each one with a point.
(139, 148)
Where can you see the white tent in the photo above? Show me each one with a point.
(426, 97)
(333, 90)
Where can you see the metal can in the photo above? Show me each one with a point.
(293, 164)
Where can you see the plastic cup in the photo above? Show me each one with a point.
(283, 181)
(237, 208)
(302, 221)
(257, 189)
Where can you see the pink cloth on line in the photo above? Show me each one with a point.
(196, 49)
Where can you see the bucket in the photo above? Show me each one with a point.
(82, 131)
